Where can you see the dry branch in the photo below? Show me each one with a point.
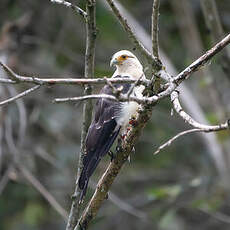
(24, 93)
(140, 47)
(155, 29)
(120, 97)
(91, 32)
(16, 79)
(188, 119)
(72, 6)
(195, 66)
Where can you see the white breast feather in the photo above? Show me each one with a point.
(128, 109)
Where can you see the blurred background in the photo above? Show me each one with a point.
(186, 186)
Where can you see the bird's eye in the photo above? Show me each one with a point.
(124, 56)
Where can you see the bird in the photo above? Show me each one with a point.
(111, 118)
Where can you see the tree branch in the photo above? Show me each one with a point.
(195, 66)
(120, 97)
(140, 47)
(87, 108)
(169, 142)
(72, 6)
(16, 79)
(155, 29)
(24, 93)
(188, 119)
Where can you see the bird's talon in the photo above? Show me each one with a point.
(129, 159)
(111, 154)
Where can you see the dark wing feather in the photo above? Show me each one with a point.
(101, 134)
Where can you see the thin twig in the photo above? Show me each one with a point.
(72, 6)
(24, 93)
(169, 142)
(7, 81)
(121, 97)
(133, 86)
(155, 29)
(196, 65)
(115, 91)
(53, 81)
(12, 75)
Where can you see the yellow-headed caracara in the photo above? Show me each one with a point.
(111, 117)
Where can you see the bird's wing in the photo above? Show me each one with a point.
(101, 134)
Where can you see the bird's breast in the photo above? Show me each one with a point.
(127, 110)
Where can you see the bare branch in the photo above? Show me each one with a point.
(169, 142)
(121, 97)
(133, 86)
(188, 119)
(155, 29)
(7, 81)
(12, 75)
(91, 32)
(72, 6)
(144, 52)
(53, 81)
(24, 93)
(196, 65)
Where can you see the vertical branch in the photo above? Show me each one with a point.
(87, 107)
(154, 37)
(213, 23)
(155, 29)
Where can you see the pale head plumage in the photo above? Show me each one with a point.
(126, 64)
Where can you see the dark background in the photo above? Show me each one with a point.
(181, 188)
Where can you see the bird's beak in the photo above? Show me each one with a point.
(114, 62)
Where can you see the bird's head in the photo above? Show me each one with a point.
(123, 58)
(126, 64)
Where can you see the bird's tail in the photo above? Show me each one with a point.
(87, 171)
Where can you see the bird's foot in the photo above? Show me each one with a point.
(129, 159)
(119, 144)
(123, 136)
(133, 121)
(111, 154)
